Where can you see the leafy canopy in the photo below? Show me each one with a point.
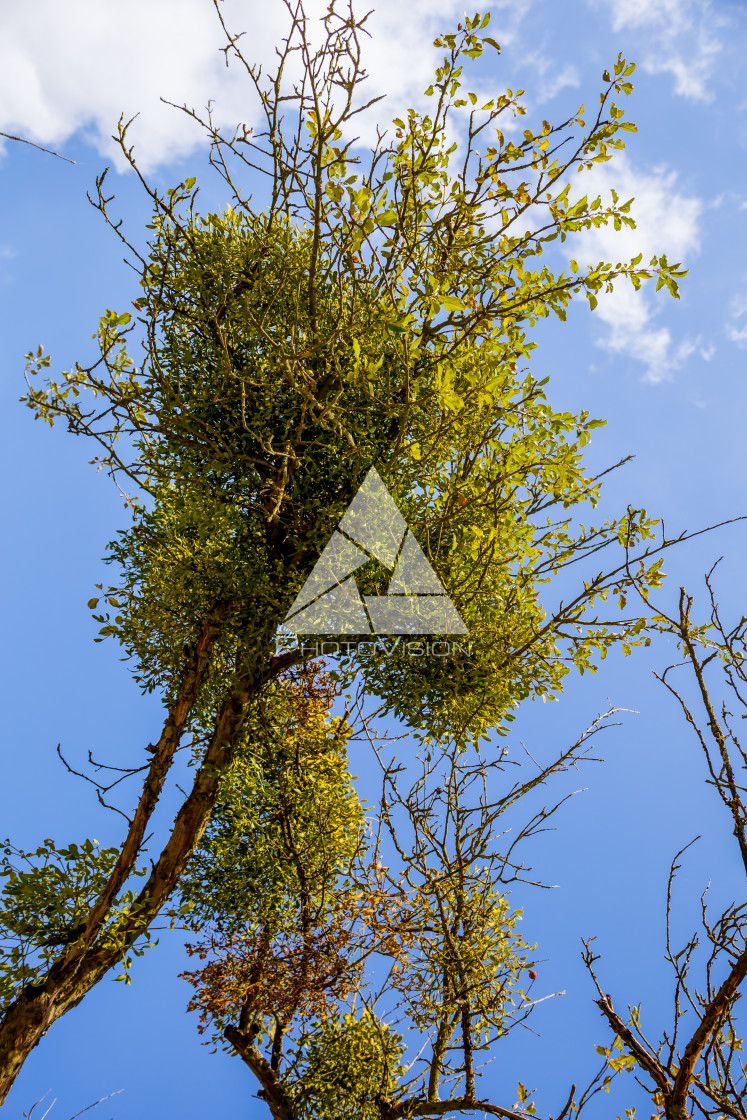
(376, 311)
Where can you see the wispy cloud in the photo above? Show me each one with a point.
(553, 76)
(736, 329)
(679, 37)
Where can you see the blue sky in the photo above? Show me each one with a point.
(667, 375)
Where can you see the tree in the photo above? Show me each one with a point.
(696, 1069)
(439, 918)
(371, 312)
(363, 974)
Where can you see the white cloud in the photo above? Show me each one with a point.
(739, 306)
(679, 36)
(666, 222)
(75, 67)
(79, 65)
(738, 335)
(726, 198)
(735, 332)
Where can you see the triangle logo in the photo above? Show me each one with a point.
(416, 601)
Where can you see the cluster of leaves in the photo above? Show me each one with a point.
(347, 1061)
(288, 927)
(45, 901)
(456, 947)
(264, 880)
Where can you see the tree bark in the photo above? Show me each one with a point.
(676, 1105)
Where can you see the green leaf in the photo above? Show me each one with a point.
(452, 303)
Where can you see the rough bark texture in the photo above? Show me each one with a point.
(712, 1019)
